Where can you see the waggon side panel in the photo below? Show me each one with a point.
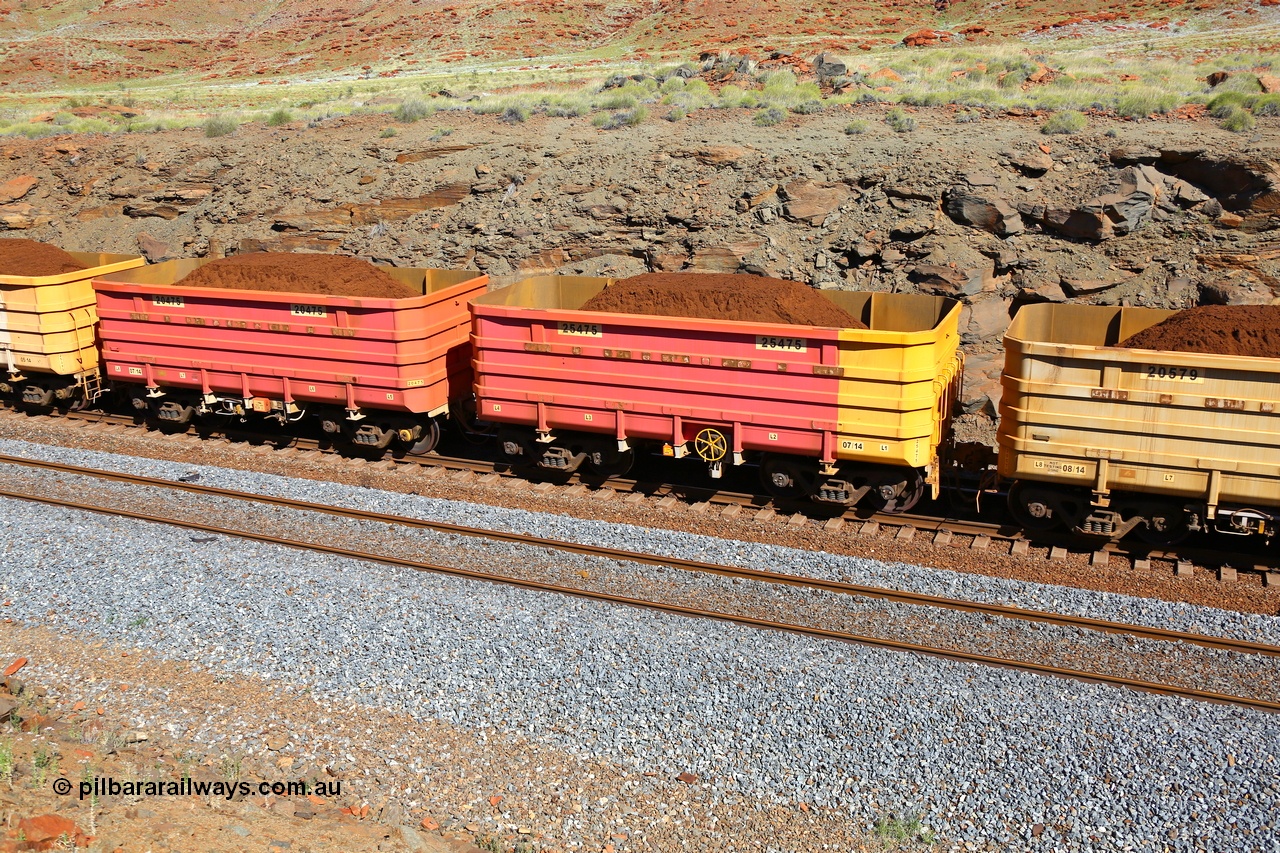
(402, 355)
(778, 388)
(1157, 422)
(47, 322)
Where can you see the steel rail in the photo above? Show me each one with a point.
(966, 527)
(472, 574)
(738, 572)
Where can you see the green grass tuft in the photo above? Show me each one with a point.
(1238, 120)
(1066, 121)
(412, 110)
(215, 126)
(1267, 105)
(897, 119)
(1224, 102)
(1145, 102)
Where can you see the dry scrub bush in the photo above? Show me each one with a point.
(769, 117)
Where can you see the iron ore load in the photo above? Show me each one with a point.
(48, 318)
(1104, 434)
(835, 413)
(376, 353)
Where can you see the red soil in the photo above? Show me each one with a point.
(719, 296)
(282, 272)
(29, 258)
(1248, 330)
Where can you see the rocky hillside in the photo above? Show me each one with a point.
(62, 42)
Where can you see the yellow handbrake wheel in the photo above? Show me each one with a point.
(711, 445)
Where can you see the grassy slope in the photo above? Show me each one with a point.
(76, 42)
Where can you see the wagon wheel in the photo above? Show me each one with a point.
(787, 477)
(710, 445)
(1039, 507)
(1033, 507)
(613, 464)
(427, 443)
(896, 490)
(1166, 522)
(470, 427)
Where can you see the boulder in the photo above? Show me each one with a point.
(1243, 289)
(982, 380)
(720, 155)
(1079, 224)
(20, 216)
(1186, 195)
(47, 831)
(984, 318)
(290, 243)
(153, 249)
(925, 38)
(726, 257)
(429, 153)
(15, 188)
(1130, 155)
(912, 193)
(990, 214)
(980, 179)
(1126, 212)
(545, 262)
(1131, 207)
(910, 229)
(1270, 83)
(826, 67)
(811, 202)
(1037, 288)
(667, 261)
(1032, 163)
(334, 219)
(944, 281)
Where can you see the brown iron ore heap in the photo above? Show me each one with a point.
(1248, 330)
(282, 272)
(29, 258)
(722, 296)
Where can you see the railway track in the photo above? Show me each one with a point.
(981, 535)
(734, 572)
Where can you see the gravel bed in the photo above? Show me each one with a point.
(980, 755)
(1153, 661)
(858, 570)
